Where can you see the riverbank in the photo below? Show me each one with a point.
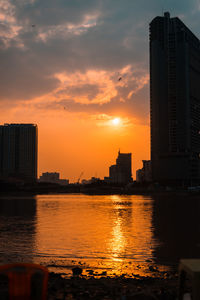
(10, 188)
(118, 288)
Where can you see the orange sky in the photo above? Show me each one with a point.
(72, 73)
(71, 143)
(71, 67)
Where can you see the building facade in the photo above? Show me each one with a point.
(18, 151)
(174, 101)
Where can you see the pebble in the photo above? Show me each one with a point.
(117, 288)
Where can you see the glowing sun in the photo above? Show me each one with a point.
(116, 121)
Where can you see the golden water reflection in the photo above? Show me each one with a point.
(132, 229)
(103, 233)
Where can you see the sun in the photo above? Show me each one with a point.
(115, 121)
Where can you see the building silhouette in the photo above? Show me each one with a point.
(18, 151)
(174, 101)
(145, 174)
(121, 171)
(53, 177)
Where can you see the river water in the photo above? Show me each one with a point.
(113, 233)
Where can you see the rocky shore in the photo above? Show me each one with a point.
(80, 287)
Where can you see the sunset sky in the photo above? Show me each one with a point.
(79, 69)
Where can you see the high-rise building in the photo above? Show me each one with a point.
(18, 151)
(174, 101)
(121, 172)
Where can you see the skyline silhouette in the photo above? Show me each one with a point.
(64, 76)
(102, 99)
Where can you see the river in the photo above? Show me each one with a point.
(114, 233)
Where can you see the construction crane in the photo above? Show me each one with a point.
(80, 177)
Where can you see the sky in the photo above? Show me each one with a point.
(79, 69)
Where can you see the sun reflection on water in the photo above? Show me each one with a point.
(118, 241)
(129, 220)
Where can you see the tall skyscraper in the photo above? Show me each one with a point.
(18, 151)
(174, 101)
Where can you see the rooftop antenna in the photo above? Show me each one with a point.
(162, 7)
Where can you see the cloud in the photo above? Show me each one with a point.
(89, 87)
(71, 53)
(130, 100)
(48, 12)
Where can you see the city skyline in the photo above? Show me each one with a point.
(81, 72)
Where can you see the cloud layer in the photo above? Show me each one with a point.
(89, 56)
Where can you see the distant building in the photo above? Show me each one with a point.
(139, 175)
(53, 177)
(85, 181)
(114, 174)
(174, 101)
(144, 174)
(91, 180)
(18, 151)
(147, 170)
(121, 172)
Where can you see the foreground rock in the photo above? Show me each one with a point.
(118, 288)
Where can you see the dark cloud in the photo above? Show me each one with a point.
(21, 76)
(51, 12)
